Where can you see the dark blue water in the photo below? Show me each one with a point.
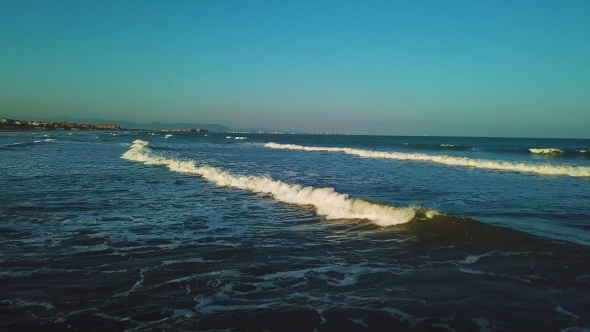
(195, 232)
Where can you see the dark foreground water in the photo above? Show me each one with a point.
(309, 233)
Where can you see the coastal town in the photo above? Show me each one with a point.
(27, 125)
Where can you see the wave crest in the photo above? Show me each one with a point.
(546, 151)
(327, 202)
(543, 169)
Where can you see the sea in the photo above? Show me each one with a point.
(155, 231)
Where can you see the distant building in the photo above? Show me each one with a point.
(108, 126)
(198, 130)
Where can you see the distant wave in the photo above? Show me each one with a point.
(328, 202)
(550, 152)
(437, 146)
(543, 169)
(546, 151)
(168, 135)
(241, 137)
(18, 145)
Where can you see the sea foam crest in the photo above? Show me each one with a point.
(543, 169)
(328, 202)
(546, 151)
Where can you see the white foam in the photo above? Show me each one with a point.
(431, 213)
(228, 137)
(351, 274)
(20, 303)
(546, 151)
(567, 313)
(137, 285)
(543, 169)
(241, 137)
(474, 258)
(470, 271)
(359, 322)
(328, 203)
(168, 135)
(189, 260)
(484, 324)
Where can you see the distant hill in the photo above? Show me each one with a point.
(134, 125)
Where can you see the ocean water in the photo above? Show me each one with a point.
(209, 232)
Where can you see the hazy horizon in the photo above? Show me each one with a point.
(494, 69)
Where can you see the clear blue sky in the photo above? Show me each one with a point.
(468, 68)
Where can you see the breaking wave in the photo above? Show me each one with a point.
(546, 151)
(327, 202)
(543, 169)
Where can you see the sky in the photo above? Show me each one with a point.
(451, 68)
